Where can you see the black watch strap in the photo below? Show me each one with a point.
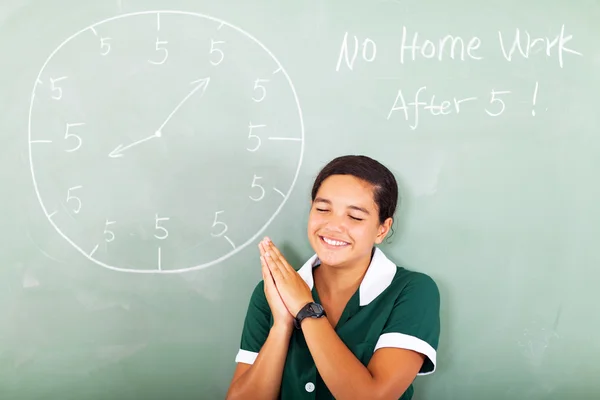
(312, 310)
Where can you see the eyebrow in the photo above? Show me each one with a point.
(322, 200)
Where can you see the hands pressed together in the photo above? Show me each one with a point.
(285, 289)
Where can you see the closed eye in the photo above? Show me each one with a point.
(352, 217)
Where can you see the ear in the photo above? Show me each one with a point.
(383, 230)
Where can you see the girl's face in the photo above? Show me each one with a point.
(343, 224)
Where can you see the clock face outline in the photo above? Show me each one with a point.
(200, 88)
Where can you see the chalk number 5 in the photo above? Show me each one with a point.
(495, 99)
(260, 89)
(219, 223)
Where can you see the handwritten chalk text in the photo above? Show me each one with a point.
(413, 47)
(457, 46)
(369, 52)
(527, 46)
(411, 110)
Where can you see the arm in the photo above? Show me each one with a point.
(264, 375)
(388, 375)
(406, 347)
(264, 344)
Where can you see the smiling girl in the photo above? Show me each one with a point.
(350, 323)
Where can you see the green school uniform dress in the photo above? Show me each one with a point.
(393, 307)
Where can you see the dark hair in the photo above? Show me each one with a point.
(385, 187)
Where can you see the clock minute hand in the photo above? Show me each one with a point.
(201, 84)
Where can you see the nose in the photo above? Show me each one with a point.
(336, 223)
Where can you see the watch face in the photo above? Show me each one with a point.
(163, 141)
(315, 308)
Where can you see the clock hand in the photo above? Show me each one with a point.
(118, 151)
(201, 84)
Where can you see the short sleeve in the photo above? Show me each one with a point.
(414, 322)
(256, 328)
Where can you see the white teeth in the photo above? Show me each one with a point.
(333, 242)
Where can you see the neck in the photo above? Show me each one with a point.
(335, 280)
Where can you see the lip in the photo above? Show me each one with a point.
(330, 246)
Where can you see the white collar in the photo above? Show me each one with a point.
(378, 277)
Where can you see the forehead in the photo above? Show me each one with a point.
(347, 189)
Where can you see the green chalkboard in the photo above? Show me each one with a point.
(146, 147)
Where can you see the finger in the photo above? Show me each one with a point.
(274, 249)
(261, 247)
(274, 267)
(263, 264)
(279, 258)
(278, 263)
(270, 262)
(263, 268)
(277, 268)
(267, 277)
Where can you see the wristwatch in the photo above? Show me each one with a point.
(312, 310)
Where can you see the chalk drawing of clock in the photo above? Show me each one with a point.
(163, 141)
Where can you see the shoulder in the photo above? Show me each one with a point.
(259, 289)
(385, 275)
(409, 284)
(258, 293)
(258, 299)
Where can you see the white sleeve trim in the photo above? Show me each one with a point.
(245, 356)
(403, 341)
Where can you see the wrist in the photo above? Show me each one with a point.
(312, 321)
(301, 305)
(283, 328)
(311, 310)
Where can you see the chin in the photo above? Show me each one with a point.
(331, 260)
(331, 255)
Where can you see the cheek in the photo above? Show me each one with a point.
(364, 235)
(314, 222)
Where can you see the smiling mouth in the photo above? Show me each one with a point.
(333, 243)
